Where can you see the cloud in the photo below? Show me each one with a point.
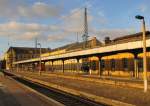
(9, 9)
(100, 18)
(65, 31)
(40, 10)
(75, 22)
(14, 26)
(20, 9)
(56, 37)
(27, 36)
(30, 31)
(69, 27)
(88, 4)
(143, 7)
(23, 31)
(101, 14)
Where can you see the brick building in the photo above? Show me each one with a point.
(14, 54)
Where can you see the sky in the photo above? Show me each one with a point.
(55, 23)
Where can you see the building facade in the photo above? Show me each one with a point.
(21, 53)
(127, 63)
(118, 64)
(70, 64)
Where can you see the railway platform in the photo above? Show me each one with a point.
(103, 90)
(13, 93)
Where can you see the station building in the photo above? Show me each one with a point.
(124, 64)
(70, 64)
(14, 54)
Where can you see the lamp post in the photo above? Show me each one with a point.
(144, 52)
(40, 59)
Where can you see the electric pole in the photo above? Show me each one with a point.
(85, 35)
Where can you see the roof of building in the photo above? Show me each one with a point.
(79, 45)
(131, 36)
(28, 49)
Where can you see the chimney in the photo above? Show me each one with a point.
(107, 40)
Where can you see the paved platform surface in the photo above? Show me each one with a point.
(124, 94)
(106, 77)
(13, 94)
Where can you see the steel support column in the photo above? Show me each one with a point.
(22, 68)
(78, 68)
(17, 67)
(52, 66)
(44, 66)
(100, 68)
(63, 68)
(136, 72)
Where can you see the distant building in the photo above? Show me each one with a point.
(14, 54)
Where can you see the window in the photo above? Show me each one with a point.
(140, 64)
(125, 63)
(112, 64)
(103, 63)
(93, 65)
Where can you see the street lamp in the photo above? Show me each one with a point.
(144, 52)
(40, 59)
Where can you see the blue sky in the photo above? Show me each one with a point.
(56, 22)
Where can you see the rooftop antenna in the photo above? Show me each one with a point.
(85, 35)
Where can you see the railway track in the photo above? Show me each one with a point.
(60, 96)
